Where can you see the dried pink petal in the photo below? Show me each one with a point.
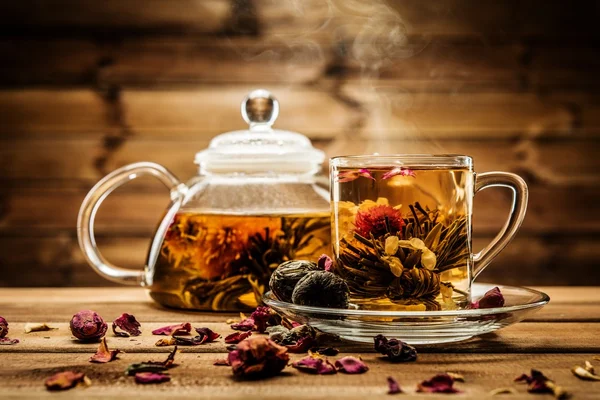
(261, 317)
(244, 325)
(258, 357)
(3, 327)
(169, 330)
(302, 345)
(151, 377)
(237, 337)
(314, 365)
(128, 324)
(8, 341)
(325, 262)
(351, 365)
(88, 325)
(491, 299)
(64, 380)
(441, 383)
(399, 171)
(221, 362)
(393, 386)
(207, 335)
(539, 383)
(103, 354)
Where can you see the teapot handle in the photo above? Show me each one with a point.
(93, 200)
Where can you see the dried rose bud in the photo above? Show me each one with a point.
(128, 324)
(169, 330)
(237, 337)
(396, 350)
(151, 377)
(103, 354)
(258, 357)
(65, 380)
(261, 317)
(491, 299)
(351, 365)
(393, 386)
(441, 383)
(87, 325)
(314, 365)
(3, 327)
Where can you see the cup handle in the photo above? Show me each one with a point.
(515, 216)
(93, 200)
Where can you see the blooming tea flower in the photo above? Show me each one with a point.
(103, 354)
(378, 220)
(88, 325)
(428, 257)
(128, 324)
(396, 350)
(351, 365)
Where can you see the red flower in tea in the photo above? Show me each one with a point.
(378, 220)
(128, 324)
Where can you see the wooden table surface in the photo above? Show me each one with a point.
(563, 334)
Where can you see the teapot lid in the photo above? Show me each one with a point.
(260, 148)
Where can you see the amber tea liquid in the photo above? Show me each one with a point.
(402, 236)
(224, 262)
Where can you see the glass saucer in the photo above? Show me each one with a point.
(417, 327)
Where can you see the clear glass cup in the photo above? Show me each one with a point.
(401, 228)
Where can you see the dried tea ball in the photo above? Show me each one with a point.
(286, 276)
(321, 289)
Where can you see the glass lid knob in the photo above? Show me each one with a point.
(260, 109)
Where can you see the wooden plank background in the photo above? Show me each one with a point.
(87, 86)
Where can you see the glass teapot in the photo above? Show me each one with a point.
(254, 204)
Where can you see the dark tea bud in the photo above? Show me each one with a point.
(87, 325)
(287, 275)
(3, 327)
(321, 289)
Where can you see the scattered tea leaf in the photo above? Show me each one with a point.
(258, 357)
(393, 386)
(66, 380)
(221, 362)
(396, 350)
(230, 321)
(456, 377)
(103, 354)
(37, 327)
(152, 366)
(151, 377)
(586, 373)
(539, 383)
(502, 390)
(170, 330)
(351, 365)
(166, 342)
(128, 325)
(441, 383)
(237, 337)
(314, 364)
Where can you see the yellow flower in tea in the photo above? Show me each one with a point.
(428, 258)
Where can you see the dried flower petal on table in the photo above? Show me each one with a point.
(151, 377)
(170, 341)
(128, 324)
(505, 390)
(393, 386)
(258, 357)
(152, 366)
(208, 334)
(324, 351)
(302, 345)
(170, 330)
(8, 341)
(314, 365)
(399, 171)
(37, 327)
(261, 317)
(66, 380)
(441, 383)
(539, 383)
(396, 350)
(103, 354)
(351, 365)
(244, 325)
(586, 373)
(221, 362)
(3, 327)
(237, 337)
(325, 263)
(491, 299)
(88, 325)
